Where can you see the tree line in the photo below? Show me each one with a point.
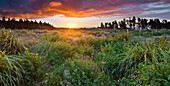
(23, 24)
(137, 23)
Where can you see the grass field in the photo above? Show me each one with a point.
(93, 57)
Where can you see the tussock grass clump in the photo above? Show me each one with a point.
(41, 47)
(9, 42)
(10, 70)
(25, 69)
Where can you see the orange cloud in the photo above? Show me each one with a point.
(75, 8)
(55, 4)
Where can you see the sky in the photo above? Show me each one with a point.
(84, 13)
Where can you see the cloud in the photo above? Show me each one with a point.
(80, 8)
(55, 4)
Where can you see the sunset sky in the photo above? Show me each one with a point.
(84, 13)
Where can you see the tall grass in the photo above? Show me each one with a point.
(78, 59)
(56, 52)
(143, 61)
(10, 70)
(9, 43)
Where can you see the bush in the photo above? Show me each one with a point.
(56, 52)
(33, 68)
(78, 72)
(61, 51)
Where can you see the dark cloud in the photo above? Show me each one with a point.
(80, 8)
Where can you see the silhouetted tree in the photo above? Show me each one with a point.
(13, 20)
(157, 24)
(35, 21)
(151, 23)
(102, 25)
(106, 25)
(145, 23)
(3, 18)
(9, 19)
(130, 22)
(116, 24)
(26, 24)
(21, 21)
(122, 24)
(110, 25)
(139, 23)
(142, 23)
(133, 22)
(26, 20)
(164, 24)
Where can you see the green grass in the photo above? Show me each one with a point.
(143, 33)
(84, 57)
(10, 70)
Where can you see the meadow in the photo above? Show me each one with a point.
(90, 57)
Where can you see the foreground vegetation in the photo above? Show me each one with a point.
(84, 57)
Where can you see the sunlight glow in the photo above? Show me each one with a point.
(71, 26)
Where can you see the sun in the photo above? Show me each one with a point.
(71, 26)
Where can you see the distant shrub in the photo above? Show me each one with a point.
(56, 37)
(88, 39)
(51, 38)
(76, 34)
(122, 37)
